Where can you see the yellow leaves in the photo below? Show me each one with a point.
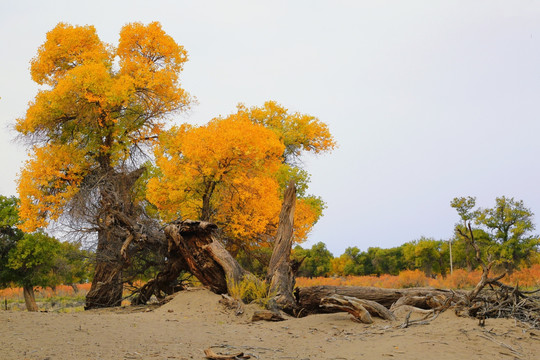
(105, 111)
(152, 59)
(229, 172)
(230, 162)
(298, 132)
(47, 182)
(306, 215)
(249, 208)
(150, 47)
(226, 146)
(94, 114)
(66, 48)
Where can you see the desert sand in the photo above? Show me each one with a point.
(194, 320)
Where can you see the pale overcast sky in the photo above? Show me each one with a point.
(428, 100)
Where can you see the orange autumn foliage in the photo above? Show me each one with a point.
(98, 106)
(222, 172)
(50, 178)
(16, 293)
(226, 172)
(298, 132)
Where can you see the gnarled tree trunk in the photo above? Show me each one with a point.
(281, 275)
(107, 285)
(165, 281)
(205, 257)
(116, 222)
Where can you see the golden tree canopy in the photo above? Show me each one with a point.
(222, 172)
(99, 105)
(232, 172)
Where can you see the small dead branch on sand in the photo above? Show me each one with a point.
(232, 304)
(267, 315)
(422, 321)
(210, 354)
(515, 353)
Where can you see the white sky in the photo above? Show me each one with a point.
(428, 100)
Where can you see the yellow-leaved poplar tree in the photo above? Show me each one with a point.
(233, 172)
(224, 172)
(99, 109)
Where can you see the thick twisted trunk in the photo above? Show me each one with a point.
(107, 286)
(204, 255)
(116, 222)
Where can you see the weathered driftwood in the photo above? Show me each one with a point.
(267, 315)
(377, 309)
(210, 354)
(233, 304)
(348, 304)
(309, 298)
(357, 307)
(406, 310)
(429, 301)
(281, 275)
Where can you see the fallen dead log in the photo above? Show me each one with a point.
(347, 304)
(406, 310)
(361, 309)
(309, 298)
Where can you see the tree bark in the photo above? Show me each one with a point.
(29, 298)
(107, 287)
(205, 257)
(281, 275)
(309, 298)
(348, 304)
(116, 222)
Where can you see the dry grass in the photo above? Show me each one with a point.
(460, 279)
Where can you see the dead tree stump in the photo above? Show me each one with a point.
(280, 275)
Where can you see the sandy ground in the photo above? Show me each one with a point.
(194, 321)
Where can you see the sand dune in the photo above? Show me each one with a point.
(194, 321)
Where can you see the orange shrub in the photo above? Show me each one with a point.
(459, 279)
(47, 292)
(412, 278)
(527, 277)
(12, 293)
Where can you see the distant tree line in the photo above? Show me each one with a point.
(503, 233)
